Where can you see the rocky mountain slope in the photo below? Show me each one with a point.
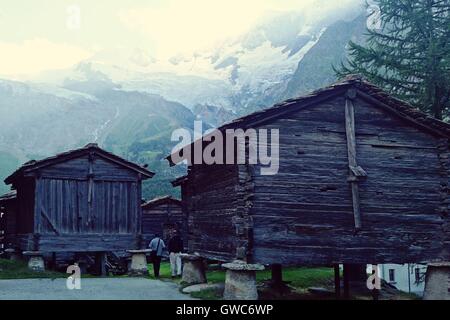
(35, 124)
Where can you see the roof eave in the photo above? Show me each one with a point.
(26, 170)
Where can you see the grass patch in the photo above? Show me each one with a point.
(208, 294)
(302, 278)
(164, 271)
(19, 270)
(299, 278)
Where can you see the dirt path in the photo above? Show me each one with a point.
(91, 289)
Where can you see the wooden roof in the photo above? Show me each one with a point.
(179, 181)
(12, 195)
(160, 200)
(364, 90)
(71, 154)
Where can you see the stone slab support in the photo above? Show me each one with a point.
(193, 269)
(138, 267)
(240, 280)
(35, 260)
(437, 281)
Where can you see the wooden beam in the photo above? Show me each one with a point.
(100, 262)
(277, 273)
(37, 204)
(346, 282)
(44, 214)
(354, 170)
(90, 190)
(337, 281)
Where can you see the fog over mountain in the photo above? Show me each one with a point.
(130, 102)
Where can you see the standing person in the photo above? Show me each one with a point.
(175, 246)
(157, 246)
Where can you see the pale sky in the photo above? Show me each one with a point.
(39, 35)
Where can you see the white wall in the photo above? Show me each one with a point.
(404, 276)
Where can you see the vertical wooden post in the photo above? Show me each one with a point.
(100, 261)
(138, 224)
(346, 282)
(90, 190)
(35, 241)
(354, 171)
(37, 203)
(337, 281)
(277, 273)
(54, 260)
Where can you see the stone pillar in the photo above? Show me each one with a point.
(240, 280)
(138, 266)
(35, 260)
(193, 269)
(12, 254)
(437, 281)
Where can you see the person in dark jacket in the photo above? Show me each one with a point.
(175, 246)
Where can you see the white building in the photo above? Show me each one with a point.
(405, 277)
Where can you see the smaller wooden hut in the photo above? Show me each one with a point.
(162, 216)
(83, 200)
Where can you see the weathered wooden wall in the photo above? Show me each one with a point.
(8, 222)
(25, 206)
(64, 207)
(82, 204)
(303, 215)
(157, 218)
(212, 204)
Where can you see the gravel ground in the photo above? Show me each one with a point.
(91, 289)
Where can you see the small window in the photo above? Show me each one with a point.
(391, 275)
(417, 274)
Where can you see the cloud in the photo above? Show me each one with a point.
(38, 54)
(184, 26)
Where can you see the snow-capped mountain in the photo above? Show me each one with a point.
(240, 75)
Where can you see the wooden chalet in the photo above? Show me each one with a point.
(363, 178)
(84, 200)
(162, 216)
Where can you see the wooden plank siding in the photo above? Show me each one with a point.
(212, 207)
(156, 220)
(303, 215)
(65, 204)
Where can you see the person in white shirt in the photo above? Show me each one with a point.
(175, 246)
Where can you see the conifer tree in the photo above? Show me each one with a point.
(409, 54)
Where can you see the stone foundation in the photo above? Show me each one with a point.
(240, 281)
(138, 267)
(193, 269)
(437, 281)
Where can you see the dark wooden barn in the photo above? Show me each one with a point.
(363, 178)
(162, 216)
(84, 200)
(7, 222)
